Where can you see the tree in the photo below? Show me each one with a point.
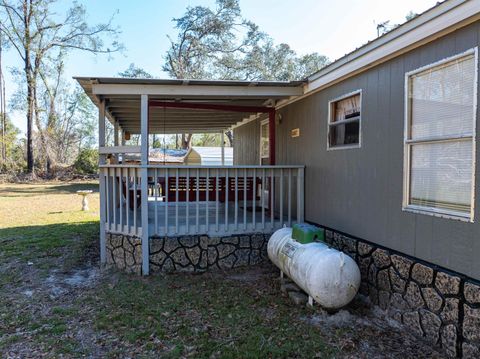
(3, 112)
(14, 159)
(309, 64)
(411, 15)
(205, 37)
(87, 161)
(51, 93)
(269, 62)
(34, 30)
(220, 44)
(207, 139)
(64, 116)
(66, 125)
(135, 72)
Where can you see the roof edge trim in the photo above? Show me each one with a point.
(435, 23)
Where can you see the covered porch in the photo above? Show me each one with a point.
(149, 200)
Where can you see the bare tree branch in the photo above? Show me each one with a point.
(35, 31)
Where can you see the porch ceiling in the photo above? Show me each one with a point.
(122, 100)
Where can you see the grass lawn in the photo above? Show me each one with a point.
(55, 301)
(39, 220)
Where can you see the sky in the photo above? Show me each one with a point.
(331, 28)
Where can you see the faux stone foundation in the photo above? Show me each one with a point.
(441, 306)
(187, 253)
(124, 252)
(201, 253)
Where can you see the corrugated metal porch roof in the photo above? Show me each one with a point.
(122, 101)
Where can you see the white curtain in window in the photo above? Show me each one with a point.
(346, 107)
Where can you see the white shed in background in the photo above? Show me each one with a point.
(209, 156)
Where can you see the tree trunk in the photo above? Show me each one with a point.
(30, 110)
(186, 141)
(41, 132)
(2, 108)
(30, 87)
(229, 135)
(52, 122)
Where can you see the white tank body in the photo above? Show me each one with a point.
(331, 277)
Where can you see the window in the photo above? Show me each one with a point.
(344, 121)
(440, 137)
(264, 140)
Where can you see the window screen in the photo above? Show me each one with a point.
(344, 121)
(440, 139)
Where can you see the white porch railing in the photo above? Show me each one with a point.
(213, 200)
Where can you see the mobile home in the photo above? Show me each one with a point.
(379, 148)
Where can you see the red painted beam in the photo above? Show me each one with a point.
(271, 135)
(206, 106)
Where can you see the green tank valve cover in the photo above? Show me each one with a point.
(307, 233)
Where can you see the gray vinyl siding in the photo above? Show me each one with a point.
(246, 142)
(359, 191)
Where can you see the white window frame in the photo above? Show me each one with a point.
(407, 145)
(330, 124)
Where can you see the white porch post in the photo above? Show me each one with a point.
(222, 140)
(123, 142)
(101, 143)
(115, 134)
(144, 184)
(301, 195)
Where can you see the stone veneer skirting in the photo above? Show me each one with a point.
(124, 252)
(439, 305)
(187, 253)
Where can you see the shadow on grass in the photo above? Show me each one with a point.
(33, 189)
(74, 242)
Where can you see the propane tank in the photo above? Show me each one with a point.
(329, 276)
